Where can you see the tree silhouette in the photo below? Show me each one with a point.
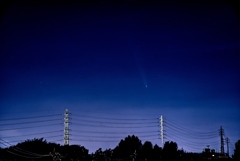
(41, 150)
(29, 150)
(170, 151)
(157, 153)
(127, 148)
(74, 152)
(236, 155)
(147, 151)
(98, 155)
(108, 154)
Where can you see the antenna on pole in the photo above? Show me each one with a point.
(66, 128)
(161, 129)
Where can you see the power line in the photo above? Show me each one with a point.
(29, 122)
(24, 156)
(104, 126)
(53, 136)
(143, 136)
(173, 134)
(183, 139)
(29, 127)
(121, 123)
(33, 134)
(189, 138)
(35, 110)
(189, 134)
(184, 129)
(46, 137)
(25, 153)
(111, 132)
(95, 140)
(57, 140)
(108, 118)
(190, 144)
(22, 118)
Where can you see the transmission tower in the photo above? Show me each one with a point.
(161, 129)
(66, 128)
(221, 133)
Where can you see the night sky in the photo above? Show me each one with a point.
(116, 63)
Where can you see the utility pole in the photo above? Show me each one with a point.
(161, 129)
(55, 155)
(66, 128)
(221, 133)
(227, 142)
(134, 155)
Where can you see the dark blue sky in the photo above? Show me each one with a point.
(180, 60)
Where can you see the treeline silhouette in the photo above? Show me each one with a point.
(128, 149)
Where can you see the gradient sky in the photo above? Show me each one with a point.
(122, 60)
